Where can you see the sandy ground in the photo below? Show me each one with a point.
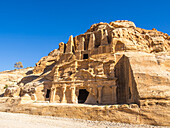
(13, 120)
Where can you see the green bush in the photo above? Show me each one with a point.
(6, 86)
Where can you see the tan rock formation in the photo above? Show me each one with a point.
(81, 44)
(115, 63)
(61, 47)
(123, 24)
(70, 45)
(91, 42)
(12, 91)
(26, 99)
(9, 80)
(105, 65)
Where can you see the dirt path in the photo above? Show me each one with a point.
(13, 120)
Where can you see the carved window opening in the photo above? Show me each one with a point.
(83, 94)
(85, 56)
(48, 93)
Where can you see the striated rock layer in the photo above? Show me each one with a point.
(115, 63)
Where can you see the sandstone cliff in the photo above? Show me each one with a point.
(145, 52)
(142, 58)
(118, 63)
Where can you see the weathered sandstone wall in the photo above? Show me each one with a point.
(147, 73)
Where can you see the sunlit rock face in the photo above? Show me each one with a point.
(111, 63)
(115, 64)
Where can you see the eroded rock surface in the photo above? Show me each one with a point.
(111, 63)
(118, 56)
(9, 80)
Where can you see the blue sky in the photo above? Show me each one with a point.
(30, 29)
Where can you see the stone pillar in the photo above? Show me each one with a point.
(63, 94)
(104, 40)
(112, 73)
(81, 44)
(100, 94)
(77, 94)
(70, 45)
(53, 92)
(114, 95)
(113, 43)
(91, 42)
(76, 65)
(73, 92)
(76, 43)
(56, 74)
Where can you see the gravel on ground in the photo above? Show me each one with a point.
(16, 120)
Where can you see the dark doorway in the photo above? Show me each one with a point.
(83, 94)
(85, 56)
(48, 93)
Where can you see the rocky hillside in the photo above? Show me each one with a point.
(10, 79)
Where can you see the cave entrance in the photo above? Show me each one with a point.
(48, 93)
(83, 94)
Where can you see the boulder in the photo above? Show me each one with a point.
(12, 91)
(26, 99)
(122, 24)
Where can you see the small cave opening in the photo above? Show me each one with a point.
(48, 93)
(85, 56)
(83, 94)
